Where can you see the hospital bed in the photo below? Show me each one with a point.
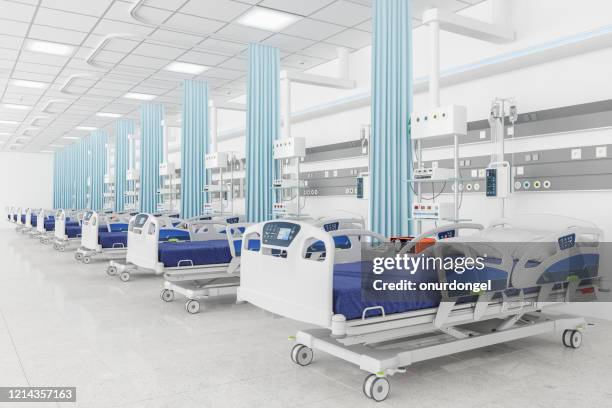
(145, 231)
(19, 219)
(67, 230)
(47, 227)
(532, 262)
(197, 281)
(10, 214)
(103, 234)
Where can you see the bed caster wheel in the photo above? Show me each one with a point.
(78, 256)
(572, 339)
(111, 270)
(376, 388)
(125, 276)
(61, 248)
(167, 295)
(192, 306)
(86, 259)
(302, 355)
(56, 247)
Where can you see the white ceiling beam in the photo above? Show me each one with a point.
(469, 27)
(318, 80)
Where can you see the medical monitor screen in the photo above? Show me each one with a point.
(140, 220)
(283, 234)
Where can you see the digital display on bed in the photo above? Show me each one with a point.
(88, 215)
(332, 226)
(140, 220)
(284, 234)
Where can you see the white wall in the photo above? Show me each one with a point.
(26, 180)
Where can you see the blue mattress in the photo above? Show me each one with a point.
(115, 239)
(49, 225)
(23, 219)
(33, 220)
(199, 252)
(348, 295)
(73, 231)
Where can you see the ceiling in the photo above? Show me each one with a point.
(202, 32)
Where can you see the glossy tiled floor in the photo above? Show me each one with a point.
(63, 323)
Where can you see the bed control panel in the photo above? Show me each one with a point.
(232, 220)
(567, 241)
(332, 226)
(279, 233)
(446, 234)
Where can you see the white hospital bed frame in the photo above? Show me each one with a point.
(90, 247)
(142, 252)
(300, 289)
(196, 285)
(60, 240)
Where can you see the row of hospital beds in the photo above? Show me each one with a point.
(318, 272)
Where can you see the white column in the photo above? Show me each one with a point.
(286, 107)
(434, 64)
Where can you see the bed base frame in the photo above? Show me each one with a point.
(297, 287)
(89, 241)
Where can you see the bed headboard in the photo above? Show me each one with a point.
(89, 231)
(60, 224)
(279, 278)
(143, 241)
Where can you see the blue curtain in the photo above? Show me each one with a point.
(83, 168)
(263, 126)
(194, 143)
(124, 128)
(151, 155)
(56, 180)
(99, 139)
(390, 155)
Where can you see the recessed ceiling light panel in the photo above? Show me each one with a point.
(8, 122)
(139, 96)
(185, 68)
(267, 19)
(22, 83)
(70, 137)
(86, 128)
(16, 106)
(49, 48)
(108, 115)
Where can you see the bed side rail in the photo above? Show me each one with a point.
(554, 248)
(450, 230)
(279, 278)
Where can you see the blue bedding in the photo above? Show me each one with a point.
(73, 231)
(348, 295)
(199, 252)
(49, 225)
(115, 239)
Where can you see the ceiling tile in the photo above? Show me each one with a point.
(351, 38)
(313, 29)
(287, 42)
(56, 34)
(33, 76)
(105, 27)
(15, 28)
(186, 40)
(17, 11)
(367, 26)
(321, 50)
(221, 73)
(202, 58)
(344, 13)
(242, 34)
(70, 21)
(154, 50)
(193, 24)
(92, 8)
(43, 59)
(222, 47)
(237, 63)
(224, 10)
(301, 7)
(140, 61)
(7, 41)
(120, 11)
(166, 4)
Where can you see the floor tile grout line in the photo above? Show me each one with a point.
(8, 330)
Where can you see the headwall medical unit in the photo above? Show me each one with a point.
(305, 203)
